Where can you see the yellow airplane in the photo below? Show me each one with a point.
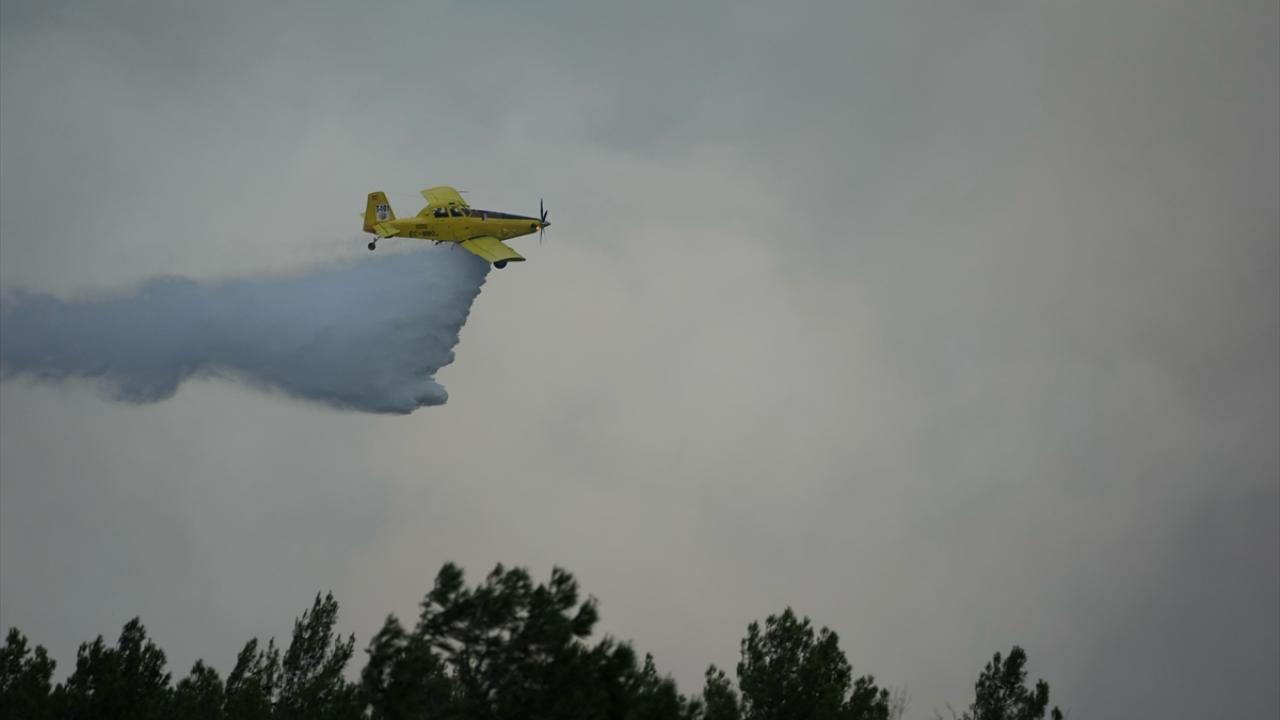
(448, 218)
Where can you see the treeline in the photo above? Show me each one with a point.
(506, 648)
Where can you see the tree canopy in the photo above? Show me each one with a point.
(509, 647)
(1001, 692)
(788, 671)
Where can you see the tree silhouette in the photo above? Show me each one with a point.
(312, 686)
(200, 695)
(403, 678)
(506, 648)
(654, 697)
(127, 681)
(1001, 692)
(24, 678)
(720, 701)
(252, 683)
(513, 649)
(786, 672)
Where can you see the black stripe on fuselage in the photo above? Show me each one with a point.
(475, 212)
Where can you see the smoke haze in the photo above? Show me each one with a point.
(949, 325)
(368, 335)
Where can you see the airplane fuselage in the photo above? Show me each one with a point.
(464, 225)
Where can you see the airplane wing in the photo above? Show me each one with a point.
(443, 196)
(491, 249)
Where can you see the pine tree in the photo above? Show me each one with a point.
(127, 681)
(253, 682)
(200, 695)
(403, 678)
(720, 701)
(312, 686)
(1001, 692)
(24, 679)
(788, 673)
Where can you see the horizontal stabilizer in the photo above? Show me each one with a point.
(386, 230)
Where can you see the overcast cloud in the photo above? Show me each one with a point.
(950, 325)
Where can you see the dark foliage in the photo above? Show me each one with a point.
(720, 701)
(25, 678)
(511, 649)
(506, 648)
(251, 687)
(311, 682)
(127, 681)
(789, 672)
(403, 678)
(200, 695)
(1001, 692)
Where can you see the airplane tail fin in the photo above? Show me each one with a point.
(377, 210)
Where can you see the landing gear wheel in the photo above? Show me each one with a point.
(373, 246)
(500, 264)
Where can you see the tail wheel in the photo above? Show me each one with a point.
(373, 246)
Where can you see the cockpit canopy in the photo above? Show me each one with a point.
(458, 211)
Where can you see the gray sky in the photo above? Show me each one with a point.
(951, 325)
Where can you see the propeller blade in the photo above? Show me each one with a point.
(542, 214)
